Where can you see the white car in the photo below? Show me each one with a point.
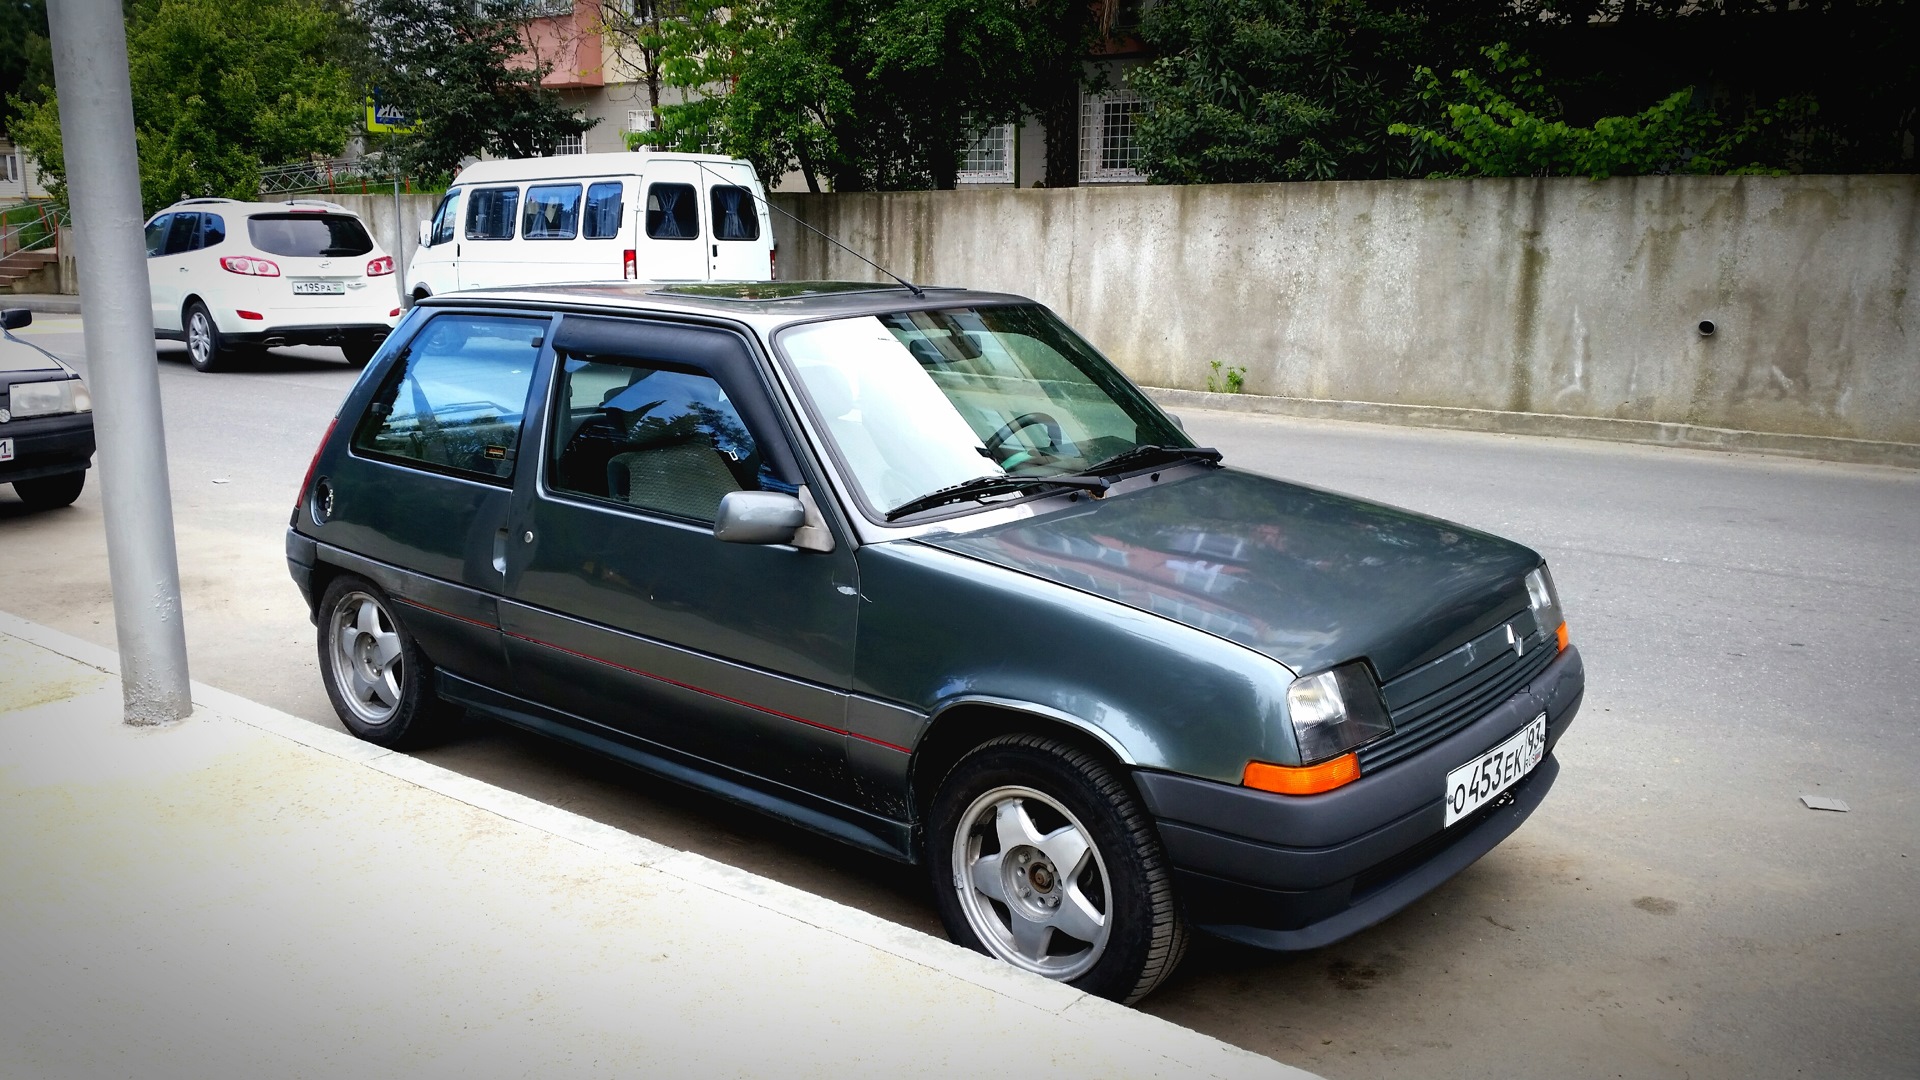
(230, 275)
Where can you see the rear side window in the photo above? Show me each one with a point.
(185, 230)
(734, 216)
(490, 213)
(553, 212)
(309, 236)
(603, 211)
(673, 212)
(443, 220)
(457, 402)
(213, 230)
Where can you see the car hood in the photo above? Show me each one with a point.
(18, 356)
(1308, 577)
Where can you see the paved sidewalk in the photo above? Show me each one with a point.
(245, 894)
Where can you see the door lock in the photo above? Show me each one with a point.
(527, 537)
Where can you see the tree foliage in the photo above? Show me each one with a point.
(856, 94)
(26, 60)
(218, 87)
(1516, 129)
(468, 73)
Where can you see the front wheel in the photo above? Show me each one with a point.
(379, 681)
(1041, 857)
(51, 492)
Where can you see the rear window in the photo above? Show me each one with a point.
(309, 236)
(733, 214)
(672, 212)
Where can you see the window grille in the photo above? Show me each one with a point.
(575, 143)
(988, 159)
(10, 169)
(548, 9)
(1109, 138)
(639, 120)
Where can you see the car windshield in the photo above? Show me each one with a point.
(305, 235)
(916, 402)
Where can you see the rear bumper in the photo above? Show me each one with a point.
(47, 446)
(1292, 873)
(328, 334)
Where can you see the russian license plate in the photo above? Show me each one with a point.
(1473, 785)
(6, 449)
(319, 288)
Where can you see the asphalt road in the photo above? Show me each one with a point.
(1749, 627)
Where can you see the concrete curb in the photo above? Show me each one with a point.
(1687, 436)
(41, 302)
(1111, 1021)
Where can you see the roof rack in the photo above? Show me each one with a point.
(316, 202)
(203, 200)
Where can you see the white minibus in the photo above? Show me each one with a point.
(596, 217)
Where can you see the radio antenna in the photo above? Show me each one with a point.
(904, 283)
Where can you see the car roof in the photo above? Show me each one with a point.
(572, 166)
(767, 305)
(236, 206)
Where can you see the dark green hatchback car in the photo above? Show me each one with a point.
(920, 570)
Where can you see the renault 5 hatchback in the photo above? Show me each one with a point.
(229, 277)
(46, 421)
(920, 570)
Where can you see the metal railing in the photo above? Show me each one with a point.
(31, 226)
(367, 175)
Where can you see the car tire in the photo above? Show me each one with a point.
(205, 348)
(359, 350)
(50, 492)
(379, 681)
(1107, 923)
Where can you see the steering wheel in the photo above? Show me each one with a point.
(1027, 420)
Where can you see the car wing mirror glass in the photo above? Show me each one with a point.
(758, 517)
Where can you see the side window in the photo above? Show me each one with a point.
(673, 212)
(458, 400)
(157, 235)
(553, 212)
(213, 230)
(185, 230)
(444, 219)
(664, 439)
(490, 213)
(734, 215)
(604, 205)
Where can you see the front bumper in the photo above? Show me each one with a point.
(1288, 873)
(47, 446)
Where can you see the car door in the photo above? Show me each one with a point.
(624, 610)
(426, 485)
(672, 244)
(740, 235)
(434, 264)
(489, 254)
(168, 271)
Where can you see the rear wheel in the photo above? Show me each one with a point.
(51, 492)
(379, 681)
(1041, 857)
(359, 350)
(204, 345)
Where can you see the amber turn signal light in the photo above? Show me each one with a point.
(1562, 635)
(1302, 779)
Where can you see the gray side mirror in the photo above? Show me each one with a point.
(426, 232)
(15, 318)
(758, 517)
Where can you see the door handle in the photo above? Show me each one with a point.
(500, 552)
(182, 269)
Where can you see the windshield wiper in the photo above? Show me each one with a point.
(981, 486)
(1150, 452)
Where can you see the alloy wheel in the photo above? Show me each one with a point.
(1031, 882)
(200, 337)
(366, 657)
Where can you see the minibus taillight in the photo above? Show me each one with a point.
(627, 265)
(773, 264)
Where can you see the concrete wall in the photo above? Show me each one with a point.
(378, 212)
(1548, 296)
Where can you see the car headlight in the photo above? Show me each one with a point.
(1545, 602)
(48, 398)
(1335, 712)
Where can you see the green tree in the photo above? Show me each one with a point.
(467, 71)
(1261, 90)
(218, 87)
(26, 61)
(858, 94)
(1515, 129)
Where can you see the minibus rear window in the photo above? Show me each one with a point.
(673, 212)
(734, 216)
(309, 236)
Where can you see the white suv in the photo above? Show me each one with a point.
(231, 275)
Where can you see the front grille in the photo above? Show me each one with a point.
(1437, 699)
